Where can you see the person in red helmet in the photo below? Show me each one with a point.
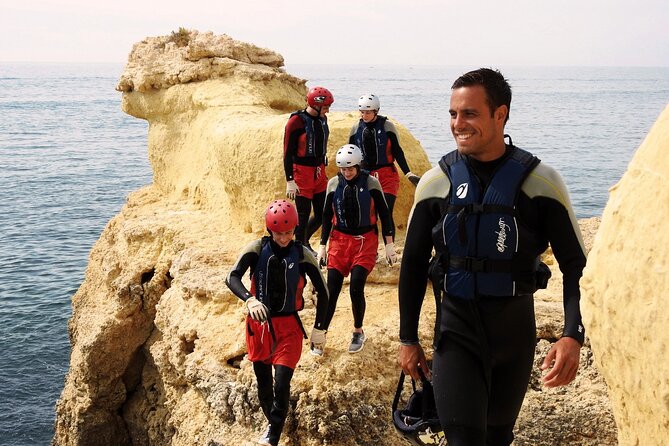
(304, 158)
(279, 267)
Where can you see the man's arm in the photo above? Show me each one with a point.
(429, 205)
(395, 147)
(318, 281)
(247, 259)
(558, 222)
(328, 211)
(294, 129)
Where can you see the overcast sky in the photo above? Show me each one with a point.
(407, 32)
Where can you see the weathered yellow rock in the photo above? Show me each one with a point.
(158, 354)
(626, 293)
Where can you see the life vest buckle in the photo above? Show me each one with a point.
(471, 264)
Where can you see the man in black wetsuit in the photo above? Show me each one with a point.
(489, 210)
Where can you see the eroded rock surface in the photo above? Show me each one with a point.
(626, 292)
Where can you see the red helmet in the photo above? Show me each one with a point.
(281, 216)
(319, 96)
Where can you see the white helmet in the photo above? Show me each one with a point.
(369, 102)
(348, 155)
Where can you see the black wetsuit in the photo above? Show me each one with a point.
(482, 364)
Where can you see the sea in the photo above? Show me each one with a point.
(69, 156)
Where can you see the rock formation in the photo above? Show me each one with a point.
(626, 292)
(157, 339)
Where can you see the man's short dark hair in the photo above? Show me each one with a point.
(497, 88)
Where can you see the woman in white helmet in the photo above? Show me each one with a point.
(378, 139)
(353, 200)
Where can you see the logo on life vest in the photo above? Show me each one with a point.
(461, 191)
(501, 235)
(290, 266)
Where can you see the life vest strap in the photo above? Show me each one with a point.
(485, 265)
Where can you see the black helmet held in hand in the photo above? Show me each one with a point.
(418, 421)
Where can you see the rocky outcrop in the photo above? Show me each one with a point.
(158, 354)
(626, 291)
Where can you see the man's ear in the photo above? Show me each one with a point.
(501, 113)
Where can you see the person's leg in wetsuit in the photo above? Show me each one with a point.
(357, 291)
(390, 200)
(335, 282)
(512, 350)
(276, 409)
(263, 373)
(318, 202)
(482, 367)
(303, 206)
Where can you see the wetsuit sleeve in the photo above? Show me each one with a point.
(387, 224)
(428, 208)
(351, 136)
(328, 211)
(396, 149)
(294, 128)
(556, 219)
(247, 260)
(318, 281)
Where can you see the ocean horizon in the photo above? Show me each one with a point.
(69, 157)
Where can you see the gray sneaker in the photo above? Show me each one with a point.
(357, 342)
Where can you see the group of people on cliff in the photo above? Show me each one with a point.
(480, 221)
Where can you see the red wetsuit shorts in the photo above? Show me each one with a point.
(310, 180)
(284, 349)
(389, 179)
(346, 251)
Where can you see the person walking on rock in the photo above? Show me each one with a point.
(349, 222)
(279, 267)
(489, 210)
(379, 141)
(304, 159)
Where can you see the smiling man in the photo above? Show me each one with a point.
(489, 210)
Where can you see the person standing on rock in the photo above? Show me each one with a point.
(349, 221)
(489, 210)
(378, 139)
(305, 144)
(279, 266)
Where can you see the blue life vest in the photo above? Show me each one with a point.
(276, 280)
(483, 248)
(375, 154)
(352, 203)
(311, 149)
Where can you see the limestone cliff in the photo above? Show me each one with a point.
(157, 339)
(626, 291)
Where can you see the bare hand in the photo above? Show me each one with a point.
(412, 360)
(561, 362)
